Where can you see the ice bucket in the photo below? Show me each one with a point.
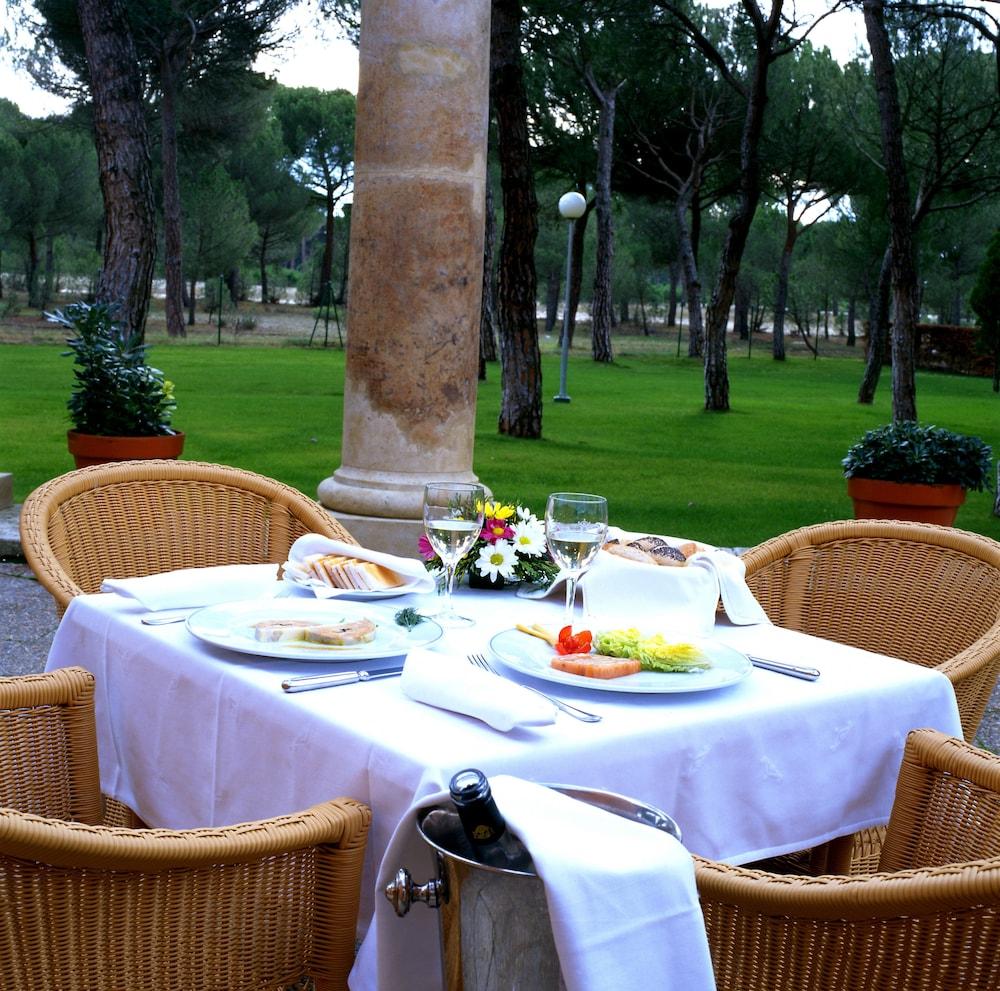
(493, 923)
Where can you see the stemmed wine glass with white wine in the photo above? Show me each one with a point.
(453, 520)
(576, 524)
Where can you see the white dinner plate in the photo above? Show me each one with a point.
(529, 655)
(230, 625)
(314, 585)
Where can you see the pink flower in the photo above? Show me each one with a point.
(424, 546)
(494, 530)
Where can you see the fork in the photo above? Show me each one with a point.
(479, 661)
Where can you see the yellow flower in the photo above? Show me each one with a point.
(498, 511)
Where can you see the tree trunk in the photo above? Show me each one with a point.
(326, 265)
(122, 144)
(521, 376)
(852, 314)
(602, 308)
(743, 310)
(692, 281)
(672, 271)
(576, 282)
(173, 251)
(488, 309)
(48, 284)
(31, 272)
(192, 289)
(878, 331)
(781, 296)
(716, 373)
(262, 261)
(905, 287)
(553, 286)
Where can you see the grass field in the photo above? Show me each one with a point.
(634, 431)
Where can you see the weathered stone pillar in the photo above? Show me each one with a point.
(416, 264)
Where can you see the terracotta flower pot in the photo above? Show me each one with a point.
(94, 449)
(875, 499)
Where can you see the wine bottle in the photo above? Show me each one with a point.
(484, 825)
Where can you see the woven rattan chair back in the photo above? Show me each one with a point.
(928, 594)
(239, 908)
(138, 518)
(48, 745)
(930, 928)
(947, 804)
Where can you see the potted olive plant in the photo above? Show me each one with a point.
(120, 406)
(907, 471)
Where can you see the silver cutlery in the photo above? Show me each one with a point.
(308, 682)
(163, 618)
(571, 710)
(780, 667)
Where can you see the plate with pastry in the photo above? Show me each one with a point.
(624, 660)
(310, 630)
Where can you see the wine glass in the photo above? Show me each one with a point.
(576, 524)
(453, 521)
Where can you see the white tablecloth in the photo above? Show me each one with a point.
(192, 735)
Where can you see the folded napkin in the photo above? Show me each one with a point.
(449, 682)
(191, 587)
(621, 895)
(417, 576)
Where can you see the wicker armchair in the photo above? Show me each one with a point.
(138, 518)
(90, 907)
(928, 920)
(240, 908)
(928, 594)
(48, 745)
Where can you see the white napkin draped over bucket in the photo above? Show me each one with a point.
(621, 898)
(194, 587)
(417, 577)
(621, 895)
(450, 682)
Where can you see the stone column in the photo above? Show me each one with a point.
(416, 264)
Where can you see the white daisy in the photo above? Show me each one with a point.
(529, 538)
(497, 559)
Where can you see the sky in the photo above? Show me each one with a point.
(317, 57)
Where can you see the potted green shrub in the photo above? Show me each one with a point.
(120, 406)
(907, 471)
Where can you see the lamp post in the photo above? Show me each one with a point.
(572, 206)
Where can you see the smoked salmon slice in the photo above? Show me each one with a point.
(595, 665)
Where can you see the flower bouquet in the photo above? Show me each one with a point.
(511, 548)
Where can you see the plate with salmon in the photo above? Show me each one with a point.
(707, 665)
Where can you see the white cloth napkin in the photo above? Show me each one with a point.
(450, 682)
(671, 601)
(192, 587)
(677, 601)
(738, 601)
(418, 578)
(621, 895)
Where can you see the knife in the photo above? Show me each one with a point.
(807, 674)
(306, 683)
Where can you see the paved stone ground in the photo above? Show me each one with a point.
(29, 622)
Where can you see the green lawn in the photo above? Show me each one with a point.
(634, 431)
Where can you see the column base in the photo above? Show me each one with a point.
(383, 510)
(381, 533)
